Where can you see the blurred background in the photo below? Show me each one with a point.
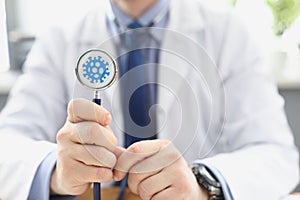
(274, 24)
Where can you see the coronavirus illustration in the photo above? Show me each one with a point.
(96, 69)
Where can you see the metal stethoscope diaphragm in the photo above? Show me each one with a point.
(96, 69)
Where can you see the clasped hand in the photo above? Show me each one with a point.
(88, 152)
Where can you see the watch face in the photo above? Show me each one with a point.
(207, 180)
(208, 177)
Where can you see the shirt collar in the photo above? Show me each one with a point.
(145, 19)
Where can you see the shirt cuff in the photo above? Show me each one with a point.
(225, 188)
(40, 188)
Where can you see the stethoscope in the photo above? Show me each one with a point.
(96, 69)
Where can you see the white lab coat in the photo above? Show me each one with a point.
(255, 153)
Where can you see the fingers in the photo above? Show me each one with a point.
(119, 150)
(88, 133)
(93, 155)
(134, 154)
(89, 143)
(152, 185)
(173, 182)
(94, 174)
(168, 193)
(87, 148)
(89, 174)
(180, 191)
(157, 171)
(73, 177)
(146, 157)
(83, 110)
(165, 157)
(147, 184)
(135, 181)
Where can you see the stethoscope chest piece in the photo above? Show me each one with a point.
(96, 69)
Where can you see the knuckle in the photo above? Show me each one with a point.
(75, 107)
(71, 107)
(133, 178)
(143, 191)
(173, 158)
(132, 183)
(100, 173)
(110, 161)
(80, 189)
(94, 130)
(139, 177)
(65, 132)
(102, 114)
(132, 188)
(164, 144)
(103, 174)
(75, 133)
(62, 135)
(135, 148)
(109, 137)
(106, 158)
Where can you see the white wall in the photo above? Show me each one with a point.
(36, 15)
(4, 59)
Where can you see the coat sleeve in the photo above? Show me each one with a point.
(259, 159)
(36, 109)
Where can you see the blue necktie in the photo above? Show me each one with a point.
(141, 100)
(144, 96)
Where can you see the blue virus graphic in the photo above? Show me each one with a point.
(95, 69)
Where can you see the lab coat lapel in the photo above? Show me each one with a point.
(181, 25)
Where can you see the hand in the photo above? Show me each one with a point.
(86, 149)
(157, 171)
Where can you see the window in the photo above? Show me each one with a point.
(4, 55)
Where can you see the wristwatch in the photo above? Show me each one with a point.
(208, 181)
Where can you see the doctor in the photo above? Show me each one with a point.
(54, 144)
